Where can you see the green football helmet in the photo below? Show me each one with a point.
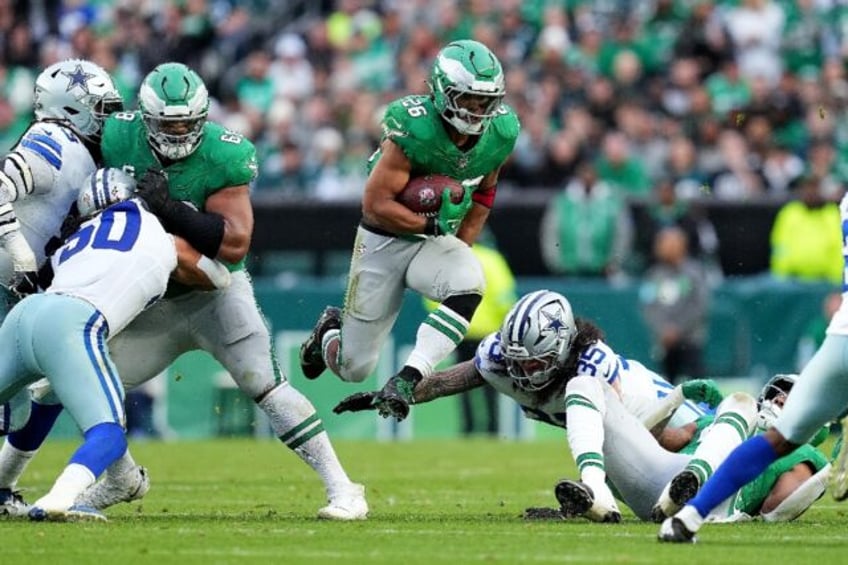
(174, 104)
(467, 85)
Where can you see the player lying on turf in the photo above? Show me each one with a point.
(115, 265)
(560, 370)
(790, 485)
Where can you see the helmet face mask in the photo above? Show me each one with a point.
(467, 86)
(771, 399)
(77, 93)
(174, 104)
(536, 339)
(101, 189)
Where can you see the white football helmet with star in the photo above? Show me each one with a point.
(536, 338)
(77, 93)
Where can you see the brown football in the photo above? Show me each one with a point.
(423, 195)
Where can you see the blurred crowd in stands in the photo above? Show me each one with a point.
(727, 99)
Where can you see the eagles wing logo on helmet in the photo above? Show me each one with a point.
(467, 85)
(174, 104)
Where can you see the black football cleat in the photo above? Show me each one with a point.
(311, 358)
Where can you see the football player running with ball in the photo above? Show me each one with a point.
(194, 175)
(463, 130)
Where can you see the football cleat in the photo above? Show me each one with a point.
(12, 504)
(111, 490)
(840, 467)
(346, 504)
(311, 357)
(576, 498)
(674, 531)
(684, 486)
(76, 513)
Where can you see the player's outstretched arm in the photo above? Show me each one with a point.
(453, 380)
(458, 378)
(197, 270)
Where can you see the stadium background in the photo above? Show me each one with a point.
(731, 122)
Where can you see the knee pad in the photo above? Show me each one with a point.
(463, 304)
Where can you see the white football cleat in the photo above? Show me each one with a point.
(576, 498)
(12, 504)
(111, 490)
(345, 504)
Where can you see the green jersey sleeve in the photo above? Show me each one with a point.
(751, 497)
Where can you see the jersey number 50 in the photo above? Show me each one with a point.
(126, 218)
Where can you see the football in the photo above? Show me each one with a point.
(423, 195)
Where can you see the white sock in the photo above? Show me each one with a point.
(690, 518)
(585, 430)
(437, 337)
(70, 484)
(296, 423)
(13, 462)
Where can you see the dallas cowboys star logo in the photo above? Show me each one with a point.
(554, 322)
(78, 77)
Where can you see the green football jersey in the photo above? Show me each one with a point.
(416, 127)
(223, 159)
(750, 498)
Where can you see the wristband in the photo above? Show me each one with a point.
(217, 273)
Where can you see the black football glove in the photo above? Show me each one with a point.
(356, 403)
(153, 189)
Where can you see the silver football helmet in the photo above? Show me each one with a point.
(77, 93)
(771, 399)
(536, 338)
(102, 188)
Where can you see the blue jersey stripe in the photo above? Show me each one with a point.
(44, 151)
(96, 361)
(48, 141)
(113, 378)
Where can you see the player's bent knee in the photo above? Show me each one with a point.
(741, 403)
(357, 370)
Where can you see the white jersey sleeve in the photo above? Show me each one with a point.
(119, 262)
(41, 177)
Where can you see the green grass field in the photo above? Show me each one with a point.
(457, 502)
